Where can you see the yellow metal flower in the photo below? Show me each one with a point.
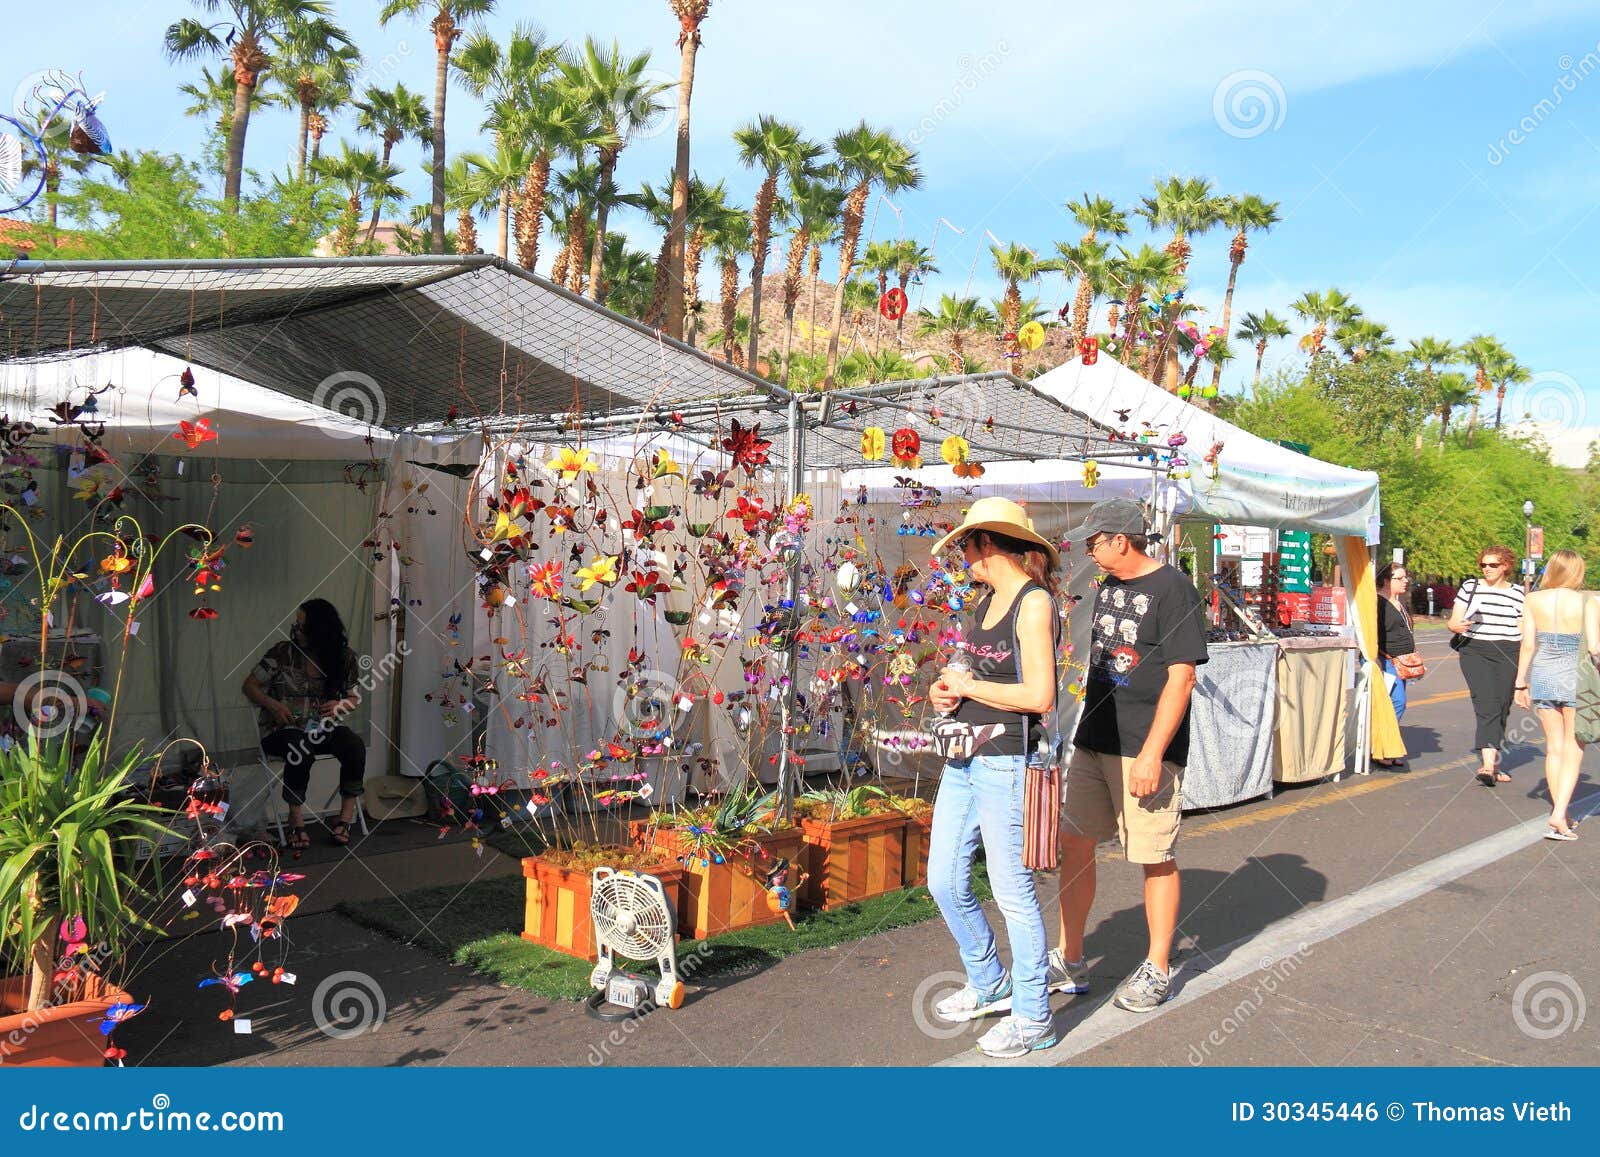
(954, 450)
(664, 466)
(601, 570)
(570, 463)
(872, 443)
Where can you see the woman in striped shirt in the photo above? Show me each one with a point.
(1487, 621)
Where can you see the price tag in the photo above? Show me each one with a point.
(241, 1026)
(189, 899)
(286, 978)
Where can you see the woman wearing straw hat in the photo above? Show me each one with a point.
(994, 703)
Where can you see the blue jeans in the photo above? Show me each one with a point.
(981, 799)
(1398, 695)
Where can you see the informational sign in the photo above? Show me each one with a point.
(1250, 572)
(1294, 565)
(1536, 542)
(1230, 539)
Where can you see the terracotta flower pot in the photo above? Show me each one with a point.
(853, 859)
(556, 913)
(719, 898)
(65, 1035)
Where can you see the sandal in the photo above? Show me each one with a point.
(339, 833)
(1485, 776)
(298, 840)
(1501, 777)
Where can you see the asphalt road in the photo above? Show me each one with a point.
(1412, 919)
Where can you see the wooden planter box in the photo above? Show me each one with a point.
(720, 898)
(851, 860)
(556, 913)
(62, 1036)
(915, 872)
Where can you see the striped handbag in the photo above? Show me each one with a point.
(1041, 817)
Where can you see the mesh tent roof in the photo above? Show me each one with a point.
(475, 333)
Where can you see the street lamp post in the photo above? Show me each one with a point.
(1527, 542)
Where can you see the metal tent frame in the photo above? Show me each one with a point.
(519, 353)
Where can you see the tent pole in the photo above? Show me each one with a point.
(796, 479)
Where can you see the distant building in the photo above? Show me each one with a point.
(384, 237)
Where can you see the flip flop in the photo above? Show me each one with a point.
(1485, 777)
(1501, 777)
(1562, 837)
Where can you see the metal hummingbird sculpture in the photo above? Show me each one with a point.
(23, 157)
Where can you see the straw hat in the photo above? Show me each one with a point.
(1002, 516)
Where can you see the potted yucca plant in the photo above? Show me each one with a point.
(72, 893)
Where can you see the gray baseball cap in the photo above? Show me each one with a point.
(1111, 516)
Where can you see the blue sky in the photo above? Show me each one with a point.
(1414, 164)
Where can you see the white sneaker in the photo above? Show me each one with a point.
(1065, 977)
(969, 1003)
(1013, 1038)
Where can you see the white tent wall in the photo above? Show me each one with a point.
(181, 676)
(142, 410)
(421, 576)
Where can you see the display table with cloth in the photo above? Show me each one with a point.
(1313, 708)
(1230, 725)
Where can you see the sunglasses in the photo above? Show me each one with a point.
(1491, 566)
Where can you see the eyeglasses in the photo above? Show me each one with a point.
(1097, 542)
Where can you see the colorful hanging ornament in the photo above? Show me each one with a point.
(1091, 473)
(1031, 336)
(892, 304)
(907, 448)
(186, 386)
(192, 434)
(1089, 350)
(872, 444)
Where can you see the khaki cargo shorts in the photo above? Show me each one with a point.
(1098, 805)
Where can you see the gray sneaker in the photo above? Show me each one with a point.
(969, 1004)
(1065, 977)
(1013, 1038)
(1144, 991)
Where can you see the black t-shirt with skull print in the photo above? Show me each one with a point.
(1141, 627)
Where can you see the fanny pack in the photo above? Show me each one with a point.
(953, 739)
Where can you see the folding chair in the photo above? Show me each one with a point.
(331, 803)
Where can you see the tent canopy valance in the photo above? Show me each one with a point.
(405, 340)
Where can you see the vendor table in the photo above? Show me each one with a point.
(1313, 708)
(1265, 713)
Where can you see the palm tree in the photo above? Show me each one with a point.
(550, 123)
(863, 157)
(256, 32)
(706, 206)
(728, 232)
(628, 275)
(362, 175)
(879, 260)
(1259, 329)
(1148, 269)
(813, 209)
(1484, 354)
(1361, 337)
(691, 14)
(319, 77)
(509, 79)
(468, 191)
(778, 149)
(213, 98)
(1016, 265)
(392, 115)
(1506, 372)
(1085, 261)
(446, 19)
(1428, 352)
(1332, 308)
(1188, 207)
(1097, 215)
(575, 192)
(1454, 391)
(54, 133)
(503, 171)
(622, 101)
(955, 317)
(1241, 214)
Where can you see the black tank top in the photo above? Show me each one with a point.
(992, 651)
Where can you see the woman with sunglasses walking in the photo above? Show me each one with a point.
(1487, 623)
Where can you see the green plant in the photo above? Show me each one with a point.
(843, 803)
(68, 833)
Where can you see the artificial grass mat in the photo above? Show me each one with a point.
(469, 925)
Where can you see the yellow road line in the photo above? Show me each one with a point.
(1444, 697)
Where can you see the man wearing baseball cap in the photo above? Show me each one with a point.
(1126, 773)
